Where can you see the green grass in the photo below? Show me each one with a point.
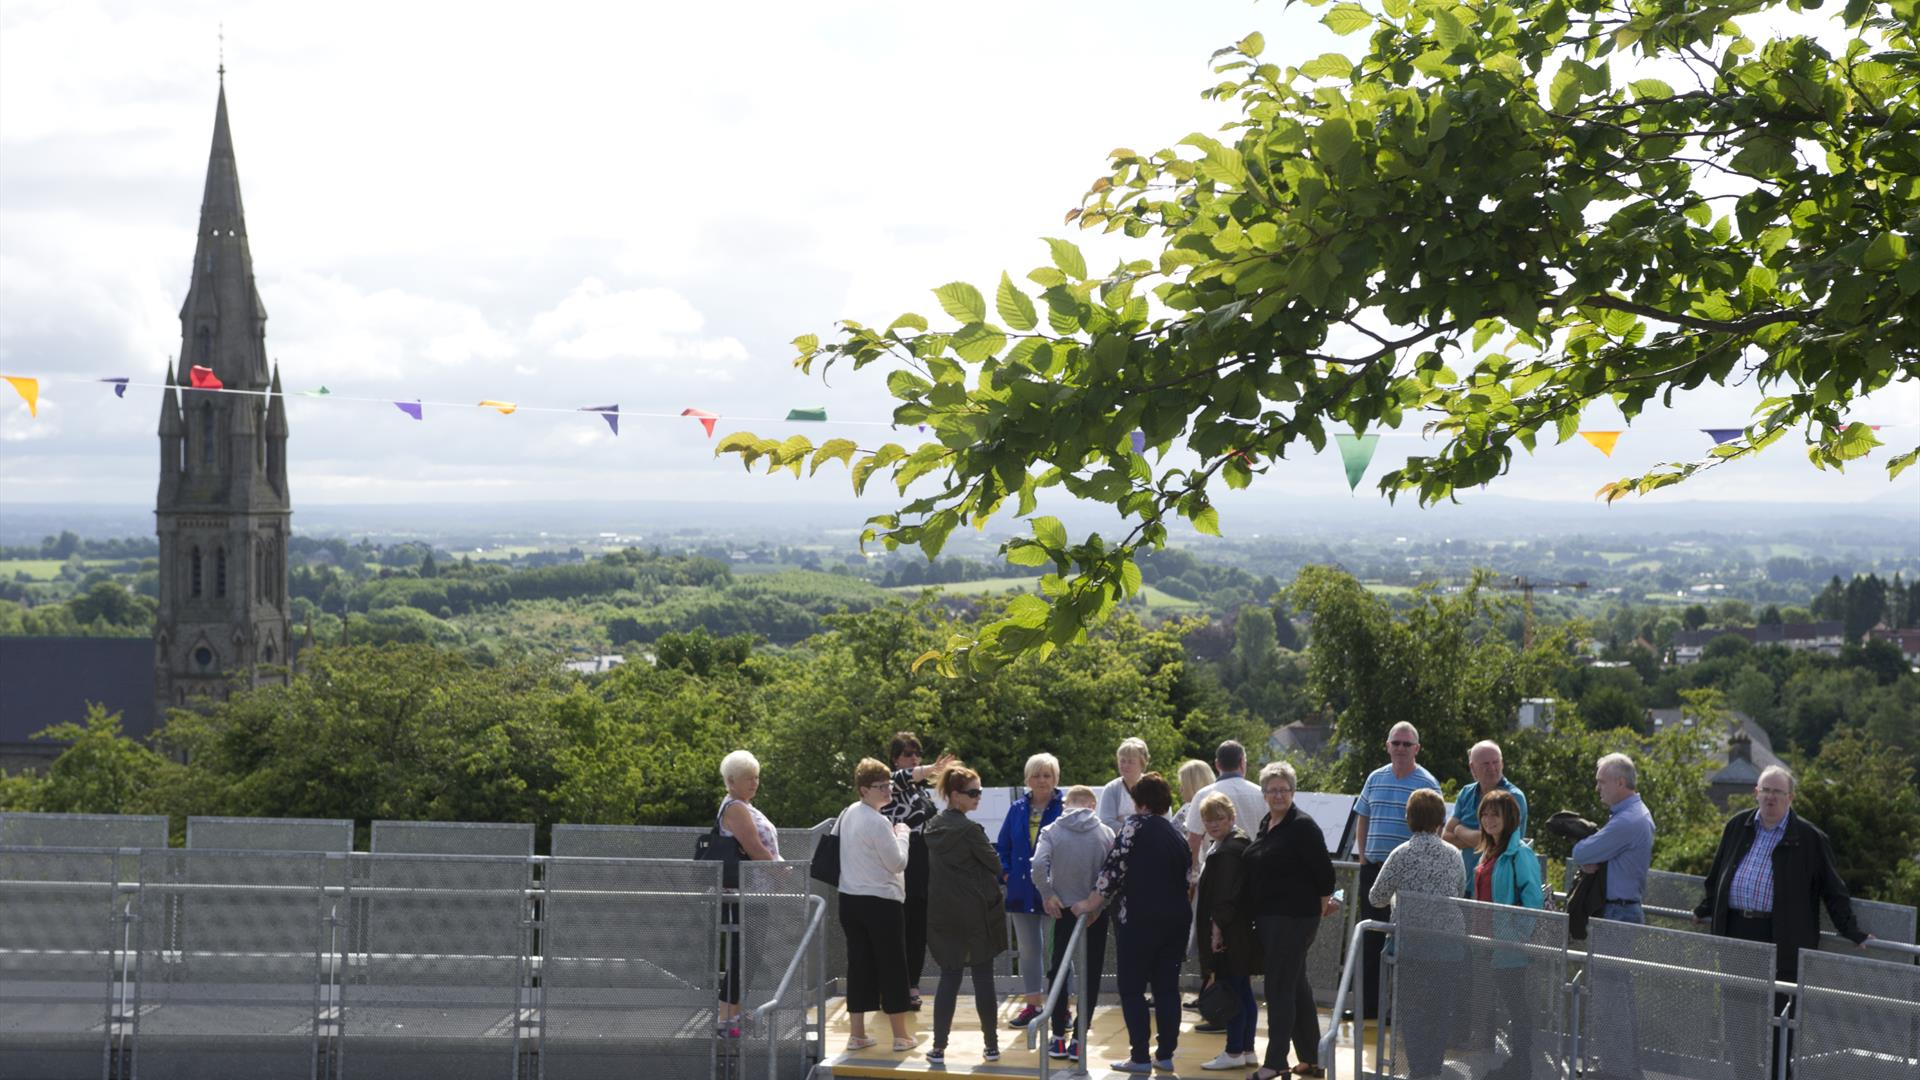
(984, 587)
(43, 569)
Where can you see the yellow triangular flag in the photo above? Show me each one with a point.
(506, 407)
(1602, 440)
(29, 391)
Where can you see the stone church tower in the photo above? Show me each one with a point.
(222, 511)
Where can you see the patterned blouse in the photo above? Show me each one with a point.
(1423, 864)
(762, 828)
(911, 804)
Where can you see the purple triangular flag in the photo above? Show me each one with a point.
(1139, 442)
(119, 387)
(1723, 434)
(609, 413)
(411, 408)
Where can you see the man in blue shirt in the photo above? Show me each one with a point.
(1463, 827)
(1382, 826)
(1625, 845)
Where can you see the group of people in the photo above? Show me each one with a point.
(1241, 877)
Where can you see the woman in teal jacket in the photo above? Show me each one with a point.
(1509, 873)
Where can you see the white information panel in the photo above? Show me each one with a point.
(1332, 812)
(994, 804)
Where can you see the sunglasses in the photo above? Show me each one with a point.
(971, 793)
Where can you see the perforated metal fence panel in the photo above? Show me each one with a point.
(774, 909)
(60, 945)
(83, 830)
(269, 834)
(437, 956)
(1859, 1019)
(1478, 987)
(630, 968)
(229, 965)
(1675, 1002)
(453, 838)
(1888, 922)
(624, 841)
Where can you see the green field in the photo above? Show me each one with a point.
(1007, 586)
(43, 569)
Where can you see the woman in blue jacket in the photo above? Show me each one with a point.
(1019, 834)
(1509, 873)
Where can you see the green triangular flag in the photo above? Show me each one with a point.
(817, 415)
(322, 392)
(1356, 451)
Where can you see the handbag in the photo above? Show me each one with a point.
(1219, 1005)
(825, 865)
(715, 846)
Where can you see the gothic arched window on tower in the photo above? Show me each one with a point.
(194, 572)
(207, 442)
(260, 571)
(204, 343)
(219, 572)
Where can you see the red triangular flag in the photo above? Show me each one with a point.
(204, 379)
(707, 419)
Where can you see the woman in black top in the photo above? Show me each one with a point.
(1147, 871)
(911, 805)
(1228, 949)
(1289, 886)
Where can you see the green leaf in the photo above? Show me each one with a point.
(1253, 44)
(1207, 521)
(1024, 552)
(833, 450)
(1067, 257)
(1344, 19)
(1327, 66)
(1014, 306)
(1650, 88)
(962, 301)
(975, 342)
(1887, 251)
(1028, 610)
(1564, 93)
(1130, 577)
(1049, 531)
(1396, 9)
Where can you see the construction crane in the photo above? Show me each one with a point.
(1525, 585)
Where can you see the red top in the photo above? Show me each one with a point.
(1483, 880)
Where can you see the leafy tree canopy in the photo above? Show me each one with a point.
(1491, 218)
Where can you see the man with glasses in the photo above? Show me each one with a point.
(1772, 871)
(1382, 826)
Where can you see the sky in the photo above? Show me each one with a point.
(632, 203)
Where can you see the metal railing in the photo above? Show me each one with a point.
(1074, 960)
(1679, 1004)
(230, 963)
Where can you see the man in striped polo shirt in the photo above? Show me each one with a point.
(1382, 813)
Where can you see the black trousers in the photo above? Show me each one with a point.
(946, 998)
(876, 929)
(1786, 968)
(1372, 941)
(1148, 954)
(1096, 939)
(730, 959)
(917, 869)
(1285, 941)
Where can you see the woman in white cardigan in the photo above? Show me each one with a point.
(873, 908)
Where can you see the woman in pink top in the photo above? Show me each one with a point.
(758, 839)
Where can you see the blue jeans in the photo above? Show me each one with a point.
(1240, 1029)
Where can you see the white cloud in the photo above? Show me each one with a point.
(596, 323)
(327, 328)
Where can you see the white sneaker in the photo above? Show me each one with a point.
(1224, 1060)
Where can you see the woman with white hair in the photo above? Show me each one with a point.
(1019, 834)
(1116, 797)
(758, 839)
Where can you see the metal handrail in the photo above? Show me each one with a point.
(1076, 946)
(1332, 1037)
(819, 905)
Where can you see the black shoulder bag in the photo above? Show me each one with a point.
(715, 846)
(825, 867)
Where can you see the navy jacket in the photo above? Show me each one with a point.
(1015, 847)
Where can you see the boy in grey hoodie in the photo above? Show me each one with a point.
(1066, 861)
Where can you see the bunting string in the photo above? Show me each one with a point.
(1356, 450)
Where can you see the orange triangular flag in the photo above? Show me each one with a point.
(29, 390)
(1602, 440)
(506, 407)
